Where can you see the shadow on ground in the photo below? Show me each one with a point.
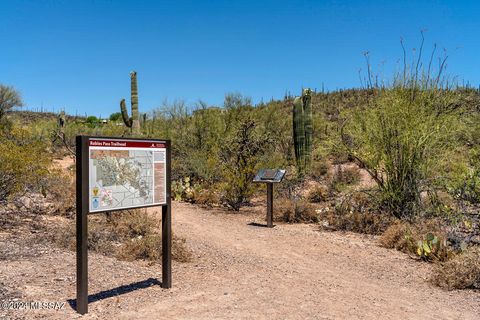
(117, 291)
(255, 224)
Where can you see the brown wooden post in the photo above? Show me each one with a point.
(167, 229)
(270, 205)
(82, 223)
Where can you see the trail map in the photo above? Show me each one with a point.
(126, 174)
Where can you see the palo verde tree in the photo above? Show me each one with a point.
(9, 98)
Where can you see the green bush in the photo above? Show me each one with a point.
(22, 168)
(467, 185)
(240, 158)
(402, 140)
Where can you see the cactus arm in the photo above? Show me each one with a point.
(126, 119)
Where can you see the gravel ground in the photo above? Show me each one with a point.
(239, 270)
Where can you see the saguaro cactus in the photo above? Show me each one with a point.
(303, 130)
(132, 122)
(307, 112)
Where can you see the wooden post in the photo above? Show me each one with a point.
(167, 229)
(270, 205)
(82, 223)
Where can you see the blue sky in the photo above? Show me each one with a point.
(77, 55)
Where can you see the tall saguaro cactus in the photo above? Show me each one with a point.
(132, 122)
(303, 130)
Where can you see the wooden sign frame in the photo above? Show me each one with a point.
(83, 209)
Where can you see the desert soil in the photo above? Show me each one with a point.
(239, 270)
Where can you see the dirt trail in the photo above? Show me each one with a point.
(244, 271)
(296, 272)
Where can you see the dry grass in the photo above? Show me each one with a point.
(295, 211)
(346, 175)
(207, 198)
(358, 213)
(405, 237)
(318, 194)
(319, 168)
(461, 272)
(60, 189)
(395, 236)
(129, 235)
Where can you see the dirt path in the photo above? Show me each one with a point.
(243, 271)
(297, 272)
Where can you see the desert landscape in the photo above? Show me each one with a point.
(239, 160)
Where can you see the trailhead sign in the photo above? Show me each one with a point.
(115, 173)
(126, 174)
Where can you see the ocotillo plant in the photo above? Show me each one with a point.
(303, 130)
(132, 122)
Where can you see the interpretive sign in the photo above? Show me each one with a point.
(118, 174)
(269, 176)
(126, 174)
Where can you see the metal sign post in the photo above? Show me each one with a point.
(269, 176)
(96, 192)
(270, 204)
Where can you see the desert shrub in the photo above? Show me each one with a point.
(318, 194)
(319, 168)
(343, 177)
(460, 272)
(131, 223)
(401, 140)
(357, 212)
(207, 197)
(128, 235)
(424, 239)
(239, 158)
(59, 188)
(287, 210)
(141, 248)
(199, 193)
(148, 248)
(466, 186)
(9, 98)
(395, 237)
(22, 168)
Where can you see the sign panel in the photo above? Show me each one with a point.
(120, 173)
(269, 175)
(126, 173)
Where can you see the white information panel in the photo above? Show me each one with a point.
(126, 174)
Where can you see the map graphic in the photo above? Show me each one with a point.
(126, 175)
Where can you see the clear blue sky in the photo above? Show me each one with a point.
(77, 55)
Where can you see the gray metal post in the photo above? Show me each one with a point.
(82, 222)
(270, 205)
